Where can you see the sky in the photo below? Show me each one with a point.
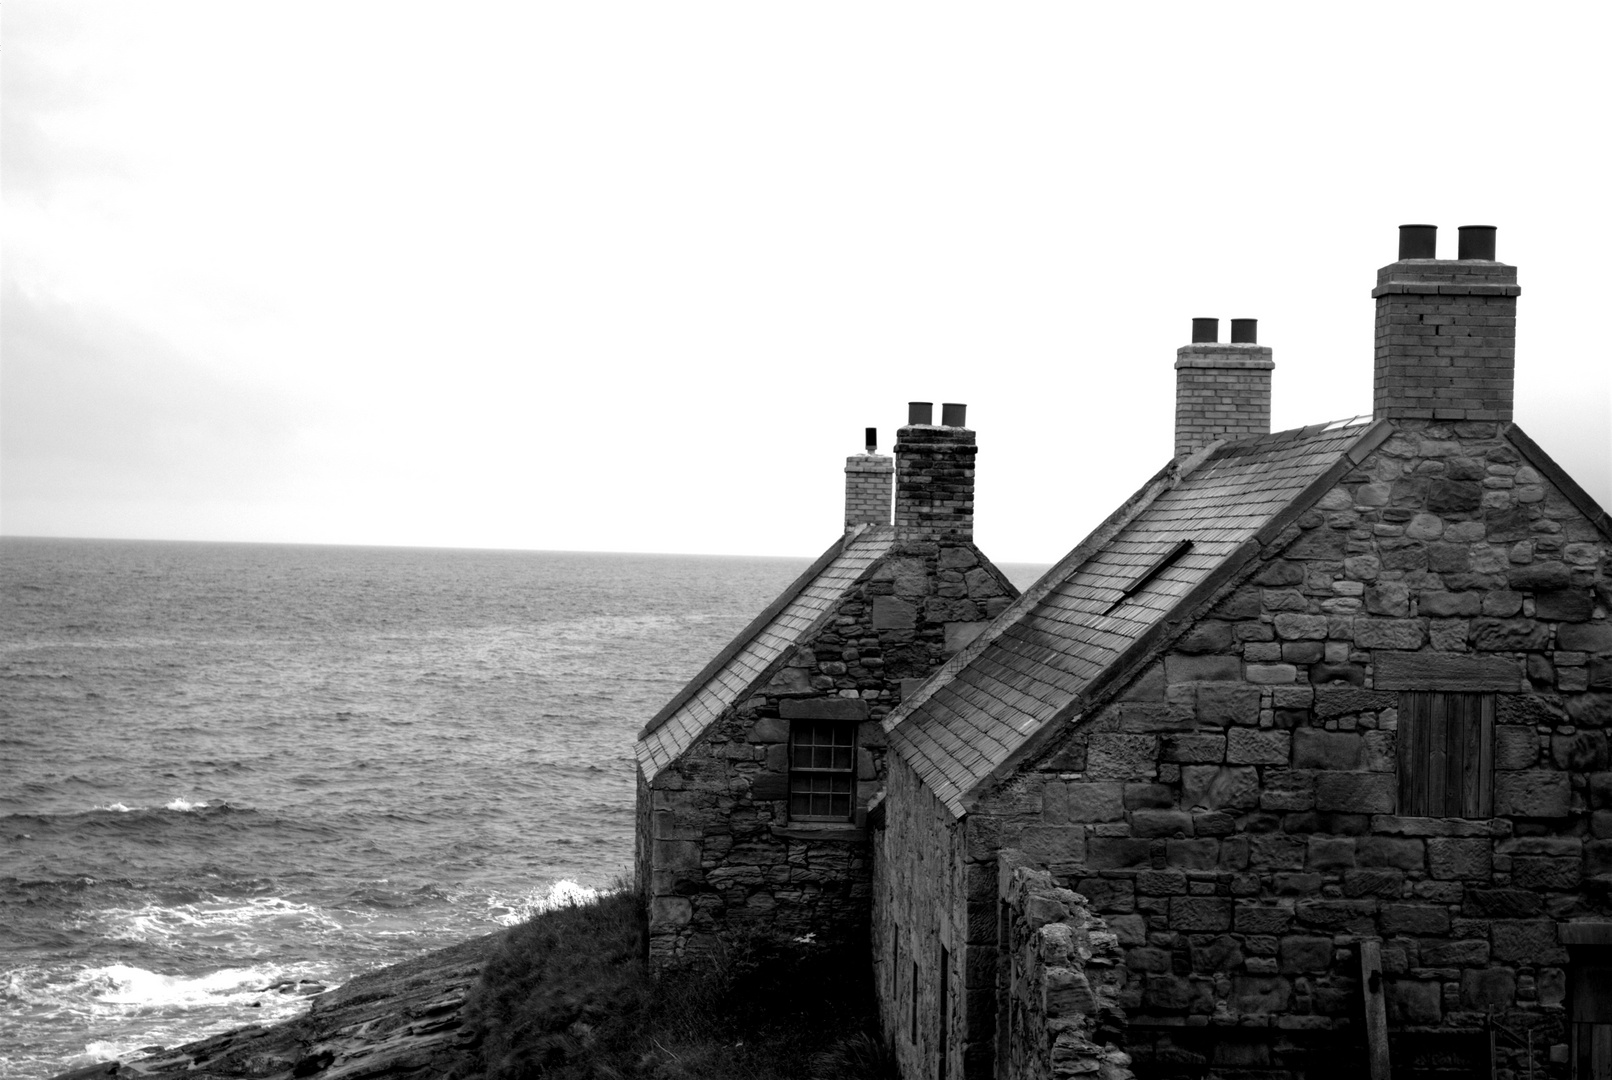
(635, 277)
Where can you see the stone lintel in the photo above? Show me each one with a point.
(1584, 933)
(1396, 670)
(849, 709)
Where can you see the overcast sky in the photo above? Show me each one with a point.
(635, 277)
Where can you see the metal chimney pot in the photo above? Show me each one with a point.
(953, 414)
(1244, 331)
(1205, 331)
(1418, 241)
(872, 440)
(1477, 242)
(920, 412)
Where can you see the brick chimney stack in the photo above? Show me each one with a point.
(1446, 329)
(868, 478)
(935, 475)
(1221, 391)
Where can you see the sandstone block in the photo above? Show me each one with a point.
(1314, 748)
(1148, 796)
(1301, 954)
(1508, 635)
(825, 708)
(1232, 703)
(1054, 843)
(893, 613)
(1260, 994)
(1161, 823)
(1271, 674)
(1594, 637)
(1445, 605)
(1395, 670)
(1526, 941)
(1122, 757)
(1330, 852)
(1582, 751)
(1219, 787)
(1355, 793)
(1501, 903)
(1200, 914)
(1390, 851)
(1414, 919)
(1537, 872)
(1540, 576)
(1377, 633)
(1117, 853)
(1414, 1003)
(1198, 854)
(1384, 884)
(1531, 793)
(1254, 918)
(1254, 746)
(1193, 748)
(1464, 953)
(1350, 916)
(1296, 627)
(1450, 859)
(1390, 598)
(1068, 804)
(1180, 668)
(1515, 747)
(1564, 605)
(1288, 789)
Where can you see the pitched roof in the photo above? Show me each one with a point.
(1127, 583)
(786, 621)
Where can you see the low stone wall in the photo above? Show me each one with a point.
(1061, 985)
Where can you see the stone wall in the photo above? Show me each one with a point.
(1233, 817)
(1221, 392)
(725, 854)
(1060, 984)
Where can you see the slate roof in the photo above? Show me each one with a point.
(747, 657)
(976, 718)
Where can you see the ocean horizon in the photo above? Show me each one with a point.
(237, 773)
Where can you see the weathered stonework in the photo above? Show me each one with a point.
(722, 853)
(1059, 986)
(1232, 816)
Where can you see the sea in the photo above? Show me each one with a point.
(233, 775)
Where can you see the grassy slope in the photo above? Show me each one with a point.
(568, 996)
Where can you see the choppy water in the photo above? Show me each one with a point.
(224, 767)
(230, 769)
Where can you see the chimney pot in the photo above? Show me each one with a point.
(1418, 241)
(1205, 331)
(872, 440)
(1477, 242)
(953, 414)
(1244, 331)
(920, 412)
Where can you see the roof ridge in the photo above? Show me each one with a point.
(754, 627)
(1176, 619)
(1161, 481)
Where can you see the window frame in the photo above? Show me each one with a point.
(841, 736)
(1444, 754)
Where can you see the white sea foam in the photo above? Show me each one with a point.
(212, 916)
(560, 894)
(183, 804)
(117, 807)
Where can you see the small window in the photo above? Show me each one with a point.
(1446, 754)
(822, 770)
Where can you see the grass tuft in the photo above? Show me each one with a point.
(568, 996)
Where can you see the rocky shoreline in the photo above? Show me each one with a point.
(400, 1021)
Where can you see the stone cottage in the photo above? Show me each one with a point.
(754, 781)
(1297, 766)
